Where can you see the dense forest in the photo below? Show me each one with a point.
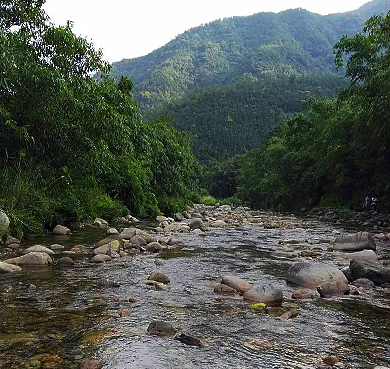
(335, 152)
(73, 148)
(231, 81)
(229, 120)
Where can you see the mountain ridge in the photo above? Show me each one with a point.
(259, 49)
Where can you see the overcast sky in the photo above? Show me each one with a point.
(128, 28)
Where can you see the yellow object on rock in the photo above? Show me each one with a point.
(258, 306)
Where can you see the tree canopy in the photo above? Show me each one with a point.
(73, 147)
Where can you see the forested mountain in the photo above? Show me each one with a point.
(291, 42)
(230, 81)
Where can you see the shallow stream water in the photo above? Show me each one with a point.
(73, 313)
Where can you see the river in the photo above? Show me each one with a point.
(57, 316)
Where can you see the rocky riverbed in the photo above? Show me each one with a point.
(213, 287)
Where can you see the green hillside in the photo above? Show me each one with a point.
(291, 42)
(228, 120)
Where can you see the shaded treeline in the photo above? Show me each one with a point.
(333, 153)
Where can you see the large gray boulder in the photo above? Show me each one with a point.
(146, 236)
(375, 271)
(197, 223)
(154, 247)
(128, 233)
(4, 221)
(364, 254)
(354, 242)
(100, 258)
(311, 275)
(60, 230)
(110, 239)
(9, 268)
(265, 294)
(138, 241)
(104, 249)
(39, 248)
(330, 288)
(31, 259)
(236, 283)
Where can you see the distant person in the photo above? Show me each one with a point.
(374, 203)
(367, 203)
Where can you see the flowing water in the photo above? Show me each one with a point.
(74, 313)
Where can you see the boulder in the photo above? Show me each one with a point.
(331, 288)
(265, 294)
(218, 224)
(362, 255)
(132, 219)
(11, 240)
(238, 284)
(79, 249)
(39, 248)
(303, 294)
(160, 328)
(223, 289)
(154, 247)
(113, 254)
(60, 230)
(174, 241)
(191, 340)
(4, 221)
(197, 223)
(110, 239)
(32, 258)
(159, 277)
(375, 271)
(363, 283)
(112, 231)
(158, 286)
(56, 246)
(146, 236)
(128, 233)
(289, 314)
(311, 275)
(138, 241)
(159, 261)
(178, 217)
(65, 261)
(100, 258)
(9, 268)
(354, 242)
(104, 249)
